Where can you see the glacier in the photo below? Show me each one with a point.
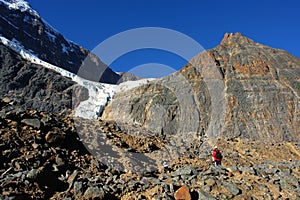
(99, 93)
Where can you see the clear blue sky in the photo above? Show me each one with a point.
(274, 23)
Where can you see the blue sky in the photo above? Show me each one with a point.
(88, 23)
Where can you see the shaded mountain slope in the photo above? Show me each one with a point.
(20, 23)
(34, 86)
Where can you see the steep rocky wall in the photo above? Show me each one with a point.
(179, 103)
(34, 86)
(261, 91)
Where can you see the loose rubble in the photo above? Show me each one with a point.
(42, 157)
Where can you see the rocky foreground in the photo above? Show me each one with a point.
(42, 157)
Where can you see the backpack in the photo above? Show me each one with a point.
(219, 155)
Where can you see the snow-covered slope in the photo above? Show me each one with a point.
(51, 32)
(99, 93)
(27, 55)
(19, 22)
(19, 5)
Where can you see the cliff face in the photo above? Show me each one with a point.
(237, 89)
(262, 89)
(34, 86)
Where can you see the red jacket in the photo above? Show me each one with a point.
(214, 155)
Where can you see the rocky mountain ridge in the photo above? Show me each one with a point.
(21, 24)
(259, 98)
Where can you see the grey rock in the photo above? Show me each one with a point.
(176, 178)
(293, 181)
(210, 182)
(59, 161)
(276, 177)
(77, 189)
(221, 171)
(32, 174)
(263, 188)
(107, 189)
(34, 87)
(94, 192)
(248, 170)
(210, 171)
(185, 171)
(206, 188)
(232, 168)
(132, 185)
(36, 123)
(231, 188)
(272, 170)
(72, 178)
(205, 196)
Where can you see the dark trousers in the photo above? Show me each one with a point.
(218, 163)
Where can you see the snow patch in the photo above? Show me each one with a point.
(27, 55)
(21, 5)
(50, 35)
(66, 49)
(33, 17)
(132, 84)
(27, 19)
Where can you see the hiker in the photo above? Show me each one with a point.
(166, 167)
(217, 156)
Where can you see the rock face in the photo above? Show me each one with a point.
(34, 86)
(126, 76)
(20, 23)
(263, 93)
(259, 98)
(162, 105)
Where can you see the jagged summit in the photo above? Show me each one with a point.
(233, 38)
(239, 56)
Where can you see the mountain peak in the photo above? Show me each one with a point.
(235, 38)
(21, 5)
(21, 24)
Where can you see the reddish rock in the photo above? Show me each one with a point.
(182, 193)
